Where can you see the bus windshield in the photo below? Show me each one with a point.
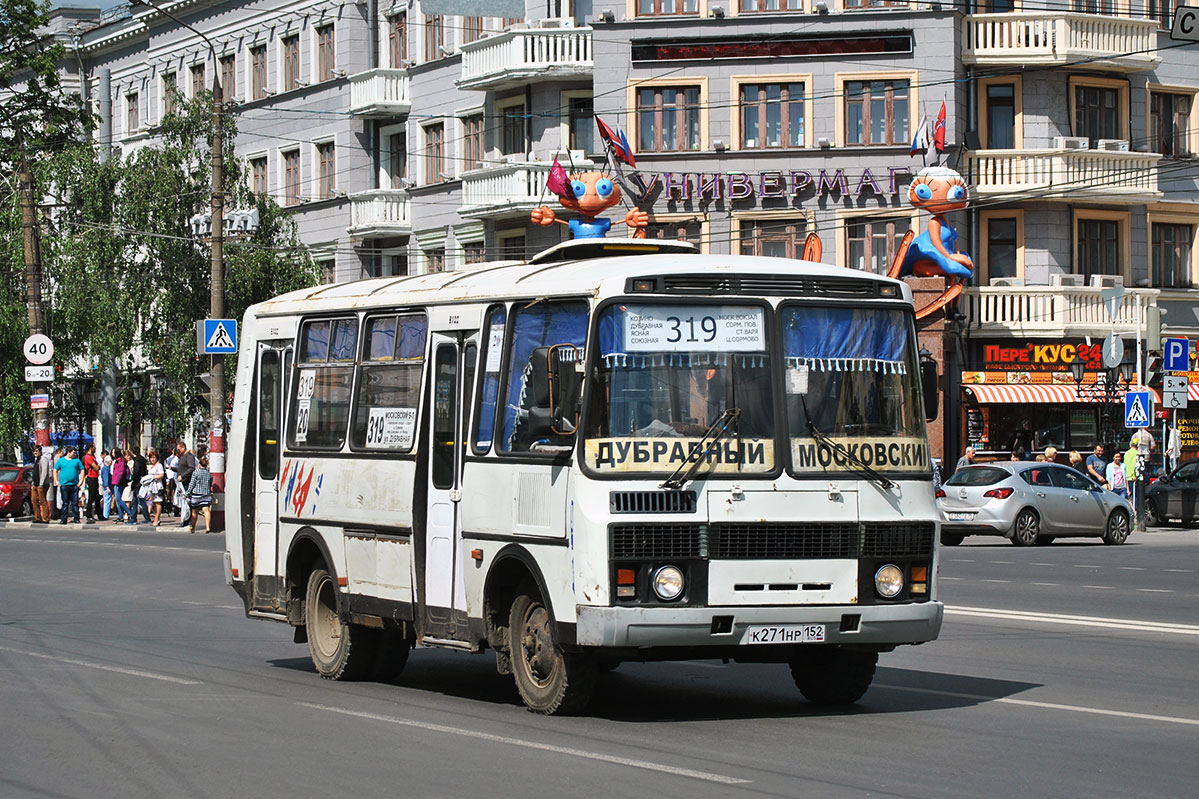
(665, 374)
(852, 394)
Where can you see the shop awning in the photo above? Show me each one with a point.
(1049, 393)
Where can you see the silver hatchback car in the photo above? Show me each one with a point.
(1030, 503)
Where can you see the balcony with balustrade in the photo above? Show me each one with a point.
(1051, 311)
(379, 212)
(1100, 42)
(508, 190)
(379, 93)
(519, 56)
(1110, 177)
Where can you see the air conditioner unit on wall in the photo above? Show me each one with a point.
(1071, 143)
(1007, 281)
(1106, 281)
(1065, 280)
(1112, 145)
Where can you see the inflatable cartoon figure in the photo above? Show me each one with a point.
(591, 193)
(938, 190)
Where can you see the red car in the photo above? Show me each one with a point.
(16, 489)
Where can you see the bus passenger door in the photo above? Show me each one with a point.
(262, 550)
(452, 380)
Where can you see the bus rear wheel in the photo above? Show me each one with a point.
(829, 675)
(340, 650)
(550, 681)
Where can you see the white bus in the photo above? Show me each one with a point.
(619, 451)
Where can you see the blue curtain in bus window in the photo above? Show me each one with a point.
(345, 340)
(315, 346)
(493, 340)
(540, 325)
(413, 334)
(381, 338)
(845, 339)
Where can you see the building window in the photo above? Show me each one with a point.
(1097, 112)
(328, 270)
(291, 177)
(258, 72)
(772, 115)
(435, 153)
(396, 159)
(1107, 7)
(198, 81)
(434, 36)
(867, 4)
(876, 112)
(170, 93)
(291, 62)
(435, 260)
(1098, 247)
(397, 40)
(1172, 247)
(873, 242)
(668, 119)
(512, 129)
(751, 6)
(472, 29)
(582, 124)
(512, 247)
(1162, 11)
(473, 252)
(781, 238)
(1001, 116)
(685, 230)
(228, 77)
(1170, 123)
(258, 176)
(326, 60)
(1003, 246)
(663, 8)
(472, 142)
(133, 116)
(326, 169)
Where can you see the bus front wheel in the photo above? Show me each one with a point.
(551, 681)
(340, 650)
(829, 675)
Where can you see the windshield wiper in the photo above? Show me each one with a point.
(726, 417)
(838, 447)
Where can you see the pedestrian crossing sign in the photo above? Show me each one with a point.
(216, 336)
(1138, 408)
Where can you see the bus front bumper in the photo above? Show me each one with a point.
(729, 626)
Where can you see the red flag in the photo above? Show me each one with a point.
(621, 150)
(558, 182)
(939, 130)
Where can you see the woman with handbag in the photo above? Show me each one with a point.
(152, 486)
(199, 495)
(120, 482)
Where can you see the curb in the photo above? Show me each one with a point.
(167, 526)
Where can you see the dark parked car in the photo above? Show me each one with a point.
(1175, 495)
(16, 487)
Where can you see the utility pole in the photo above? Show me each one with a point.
(33, 283)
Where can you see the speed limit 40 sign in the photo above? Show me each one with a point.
(39, 349)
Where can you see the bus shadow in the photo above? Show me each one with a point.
(699, 691)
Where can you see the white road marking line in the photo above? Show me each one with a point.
(1081, 621)
(1006, 562)
(110, 544)
(1053, 584)
(996, 581)
(1132, 568)
(1101, 587)
(1083, 566)
(1156, 590)
(962, 560)
(951, 578)
(1046, 705)
(1179, 571)
(1040, 564)
(562, 750)
(116, 669)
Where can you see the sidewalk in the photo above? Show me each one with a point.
(169, 524)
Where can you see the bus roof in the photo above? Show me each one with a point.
(707, 275)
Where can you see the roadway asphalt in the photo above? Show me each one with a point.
(127, 668)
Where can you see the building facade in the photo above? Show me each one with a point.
(407, 142)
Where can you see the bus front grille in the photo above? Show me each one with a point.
(784, 540)
(897, 539)
(655, 541)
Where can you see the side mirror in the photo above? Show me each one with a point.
(928, 387)
(565, 362)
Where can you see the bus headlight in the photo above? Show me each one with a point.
(888, 581)
(668, 583)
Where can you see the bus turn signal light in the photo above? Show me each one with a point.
(920, 574)
(626, 576)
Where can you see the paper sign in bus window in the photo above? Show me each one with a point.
(683, 328)
(391, 428)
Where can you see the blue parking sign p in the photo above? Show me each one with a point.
(1175, 354)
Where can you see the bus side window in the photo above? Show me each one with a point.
(389, 383)
(493, 353)
(269, 384)
(535, 326)
(320, 396)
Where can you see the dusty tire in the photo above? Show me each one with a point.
(391, 656)
(951, 539)
(1027, 528)
(340, 650)
(1044, 540)
(550, 681)
(829, 675)
(1118, 528)
(1152, 515)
